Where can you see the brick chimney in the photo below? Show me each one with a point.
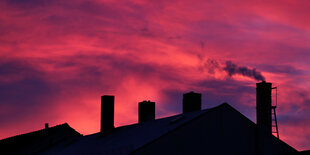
(107, 113)
(191, 102)
(146, 111)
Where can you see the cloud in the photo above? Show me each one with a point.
(282, 69)
(23, 91)
(68, 53)
(58, 88)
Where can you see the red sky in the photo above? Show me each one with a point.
(58, 57)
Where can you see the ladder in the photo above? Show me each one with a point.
(274, 122)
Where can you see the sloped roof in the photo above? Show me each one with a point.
(37, 141)
(128, 138)
(122, 140)
(125, 139)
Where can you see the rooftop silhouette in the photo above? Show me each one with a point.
(218, 130)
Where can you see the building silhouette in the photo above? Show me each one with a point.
(218, 130)
(38, 141)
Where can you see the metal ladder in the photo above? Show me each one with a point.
(274, 122)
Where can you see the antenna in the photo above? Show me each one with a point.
(274, 120)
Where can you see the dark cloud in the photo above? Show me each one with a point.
(28, 4)
(294, 120)
(24, 89)
(25, 92)
(233, 69)
(29, 82)
(14, 67)
(281, 69)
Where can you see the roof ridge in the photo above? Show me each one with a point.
(176, 115)
(36, 131)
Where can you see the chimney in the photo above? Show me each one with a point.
(263, 106)
(191, 102)
(146, 111)
(107, 113)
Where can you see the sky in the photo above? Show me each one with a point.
(58, 57)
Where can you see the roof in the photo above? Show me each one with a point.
(126, 139)
(63, 139)
(38, 141)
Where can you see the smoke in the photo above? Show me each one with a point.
(212, 67)
(233, 69)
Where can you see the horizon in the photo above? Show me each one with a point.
(57, 58)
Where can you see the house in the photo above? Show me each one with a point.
(38, 141)
(218, 130)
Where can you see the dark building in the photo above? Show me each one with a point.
(39, 141)
(218, 130)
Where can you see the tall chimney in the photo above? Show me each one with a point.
(191, 102)
(107, 113)
(146, 111)
(263, 106)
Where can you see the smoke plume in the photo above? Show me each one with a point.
(233, 69)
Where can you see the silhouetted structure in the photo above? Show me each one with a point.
(191, 102)
(218, 130)
(107, 113)
(263, 106)
(39, 141)
(146, 111)
(46, 126)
